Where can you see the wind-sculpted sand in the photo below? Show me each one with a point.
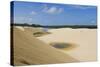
(83, 40)
(28, 50)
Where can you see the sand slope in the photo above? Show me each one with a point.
(85, 41)
(29, 50)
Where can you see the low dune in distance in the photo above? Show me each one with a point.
(28, 50)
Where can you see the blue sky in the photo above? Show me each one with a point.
(54, 14)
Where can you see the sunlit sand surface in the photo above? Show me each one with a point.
(84, 42)
(61, 45)
(29, 50)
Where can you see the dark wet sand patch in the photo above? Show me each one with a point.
(63, 46)
(38, 34)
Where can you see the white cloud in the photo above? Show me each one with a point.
(33, 13)
(52, 10)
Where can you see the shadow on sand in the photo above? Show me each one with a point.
(63, 46)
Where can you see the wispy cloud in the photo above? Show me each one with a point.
(33, 13)
(52, 10)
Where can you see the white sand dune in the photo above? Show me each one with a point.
(29, 50)
(84, 39)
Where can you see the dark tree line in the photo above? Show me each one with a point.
(55, 26)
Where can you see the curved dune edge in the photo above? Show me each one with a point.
(28, 50)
